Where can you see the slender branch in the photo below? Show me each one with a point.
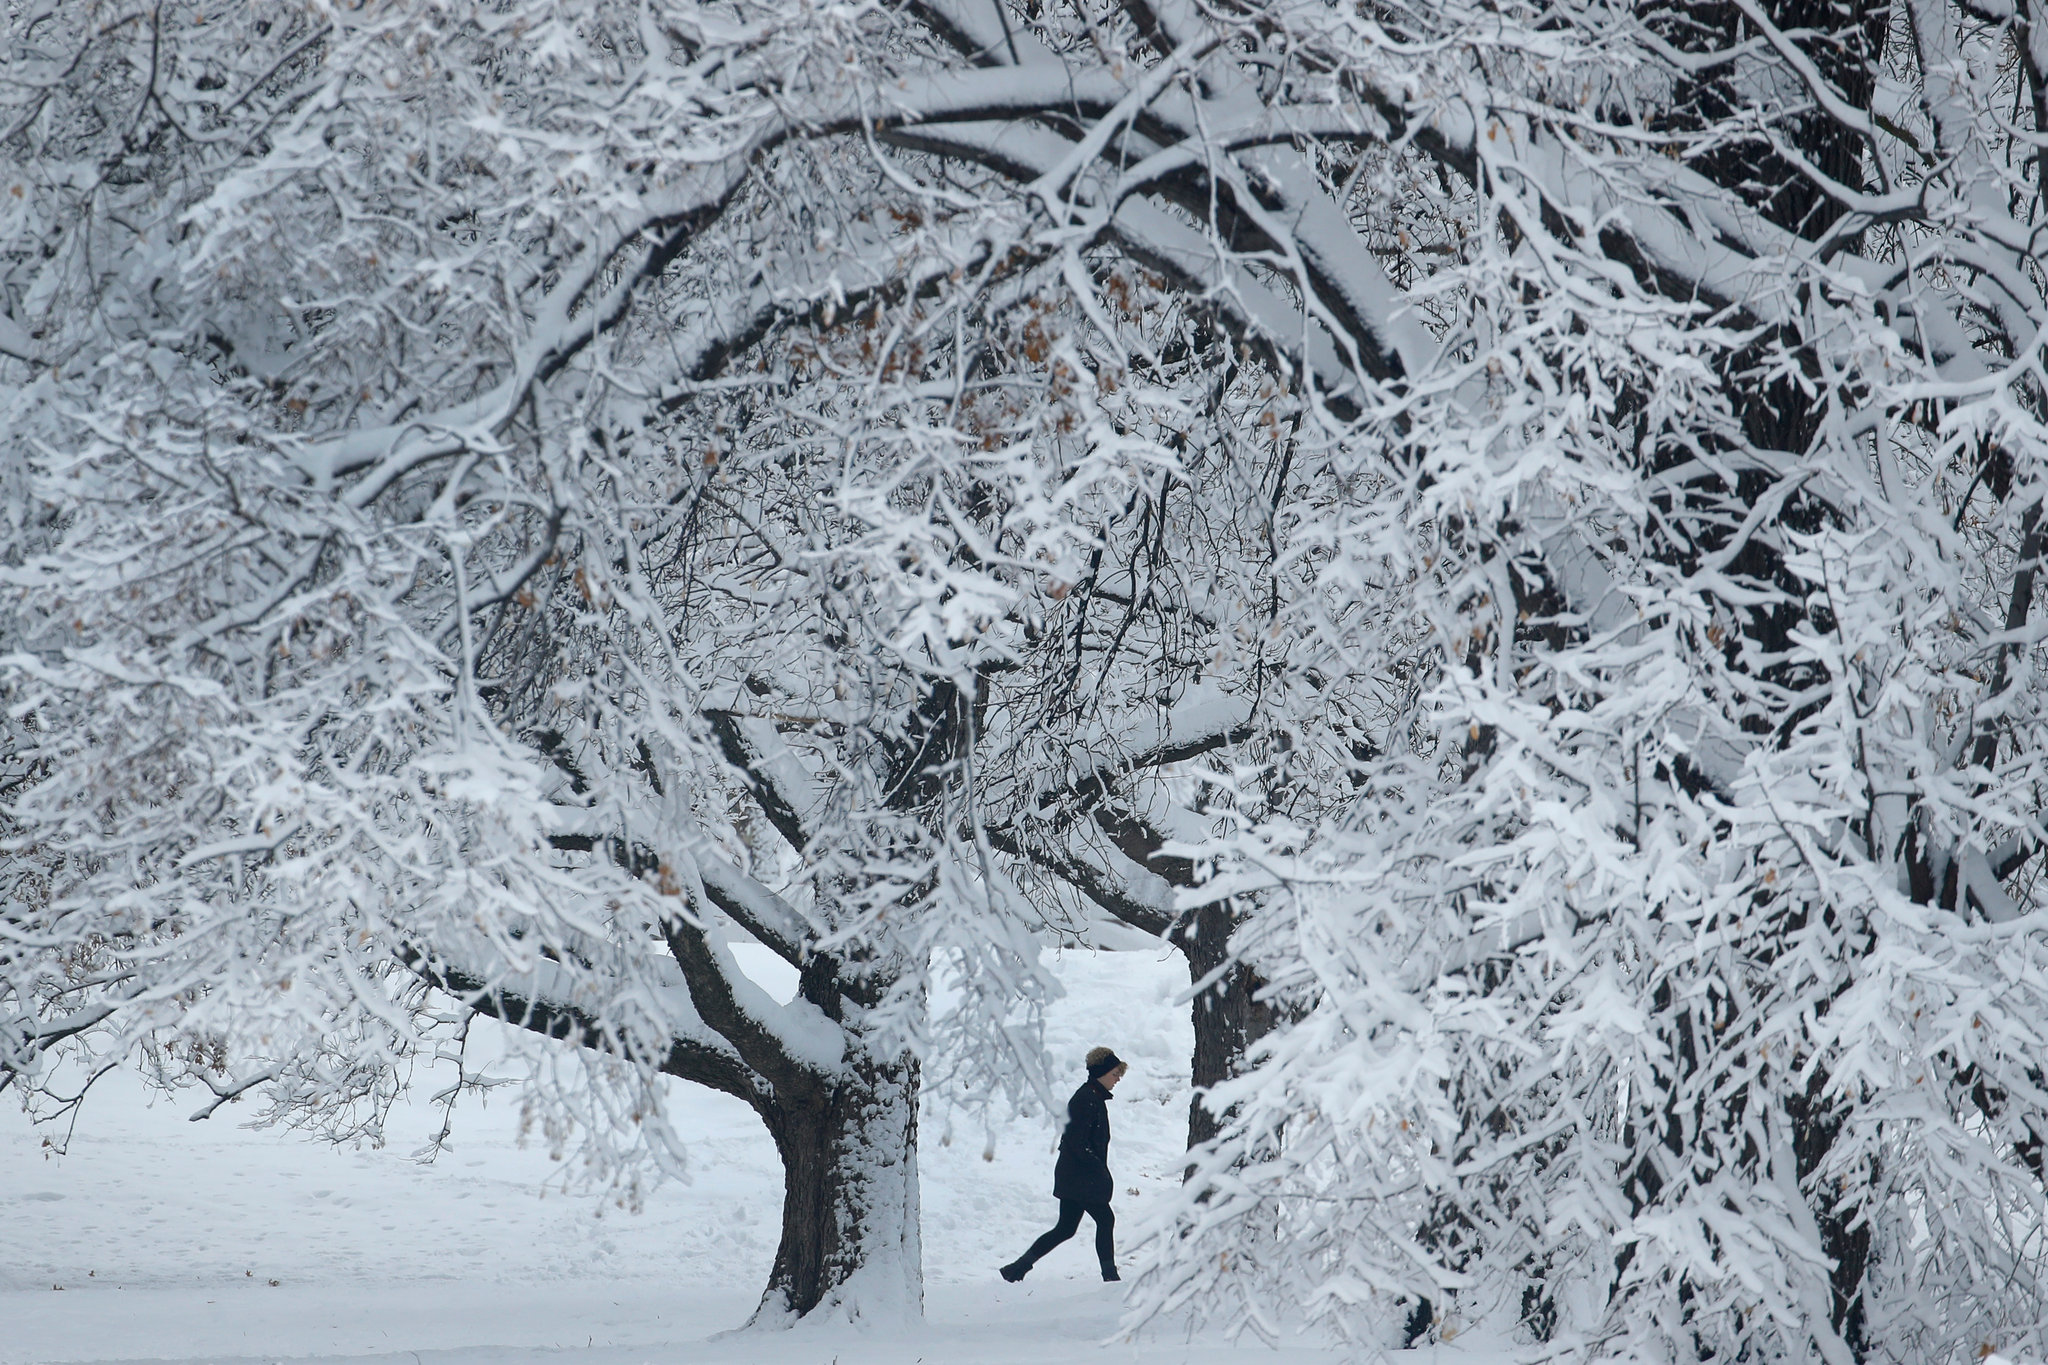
(228, 1094)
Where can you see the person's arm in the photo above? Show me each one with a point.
(1079, 1134)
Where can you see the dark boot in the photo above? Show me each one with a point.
(1015, 1271)
(1109, 1274)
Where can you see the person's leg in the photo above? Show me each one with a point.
(1105, 1240)
(1069, 1224)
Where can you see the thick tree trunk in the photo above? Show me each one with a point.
(1816, 1122)
(1228, 1018)
(850, 1198)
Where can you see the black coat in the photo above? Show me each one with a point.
(1082, 1173)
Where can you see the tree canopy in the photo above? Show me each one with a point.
(1509, 532)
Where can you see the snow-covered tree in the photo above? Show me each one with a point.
(1663, 962)
(532, 484)
(426, 589)
(518, 495)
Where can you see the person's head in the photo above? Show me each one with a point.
(1105, 1067)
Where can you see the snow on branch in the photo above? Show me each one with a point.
(1128, 891)
(772, 772)
(758, 910)
(555, 1002)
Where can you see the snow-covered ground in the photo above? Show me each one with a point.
(160, 1239)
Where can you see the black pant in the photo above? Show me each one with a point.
(1070, 1223)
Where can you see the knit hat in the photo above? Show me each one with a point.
(1101, 1061)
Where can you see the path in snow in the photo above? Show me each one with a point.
(160, 1239)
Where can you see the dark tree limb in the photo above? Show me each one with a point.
(1097, 882)
(1984, 752)
(754, 908)
(752, 764)
(758, 1044)
(686, 1059)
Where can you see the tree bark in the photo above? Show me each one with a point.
(1228, 1018)
(850, 1203)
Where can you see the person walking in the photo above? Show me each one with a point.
(1080, 1179)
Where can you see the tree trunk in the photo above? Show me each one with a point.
(1227, 1017)
(850, 1197)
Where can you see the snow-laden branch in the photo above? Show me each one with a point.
(753, 906)
(551, 999)
(773, 773)
(788, 1044)
(1202, 719)
(1129, 892)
